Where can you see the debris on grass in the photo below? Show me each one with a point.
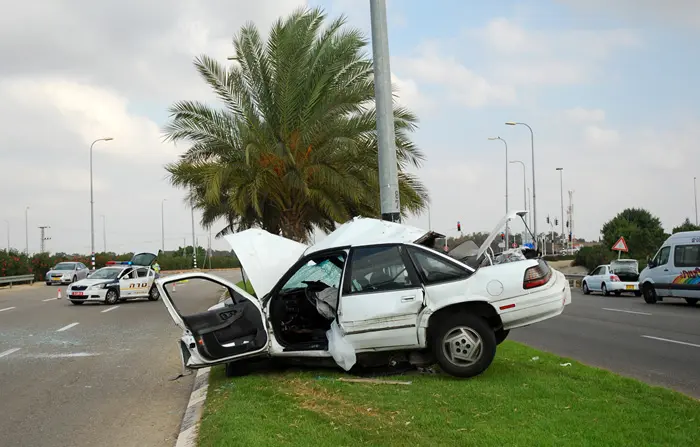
(375, 381)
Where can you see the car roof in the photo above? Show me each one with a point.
(362, 231)
(683, 235)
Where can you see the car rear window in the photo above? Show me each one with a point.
(686, 256)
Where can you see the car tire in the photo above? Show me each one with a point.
(75, 279)
(649, 294)
(501, 335)
(692, 301)
(77, 303)
(457, 333)
(48, 283)
(604, 289)
(586, 290)
(112, 297)
(153, 294)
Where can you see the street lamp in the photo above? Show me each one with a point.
(695, 191)
(162, 227)
(8, 236)
(524, 183)
(26, 231)
(506, 145)
(534, 200)
(104, 232)
(561, 189)
(92, 205)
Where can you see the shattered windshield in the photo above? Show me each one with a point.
(326, 270)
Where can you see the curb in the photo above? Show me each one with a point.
(189, 429)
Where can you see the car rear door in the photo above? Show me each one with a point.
(235, 329)
(381, 298)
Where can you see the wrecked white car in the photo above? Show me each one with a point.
(370, 290)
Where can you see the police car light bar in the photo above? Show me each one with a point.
(119, 262)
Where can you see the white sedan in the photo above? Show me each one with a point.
(371, 288)
(618, 277)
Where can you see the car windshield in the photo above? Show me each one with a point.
(327, 271)
(106, 273)
(65, 266)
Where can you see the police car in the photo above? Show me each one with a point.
(118, 281)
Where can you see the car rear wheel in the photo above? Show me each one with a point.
(112, 297)
(604, 289)
(649, 294)
(153, 294)
(691, 301)
(464, 345)
(586, 290)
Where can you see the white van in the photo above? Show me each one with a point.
(675, 270)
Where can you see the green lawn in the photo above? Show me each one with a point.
(517, 402)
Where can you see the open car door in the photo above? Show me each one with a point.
(234, 329)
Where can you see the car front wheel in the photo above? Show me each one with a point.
(153, 294)
(649, 294)
(112, 297)
(464, 345)
(586, 290)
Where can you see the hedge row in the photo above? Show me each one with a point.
(16, 263)
(595, 255)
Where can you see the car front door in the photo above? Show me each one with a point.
(128, 282)
(83, 271)
(381, 298)
(234, 329)
(661, 271)
(594, 279)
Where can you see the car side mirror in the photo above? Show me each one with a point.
(651, 264)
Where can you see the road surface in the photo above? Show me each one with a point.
(659, 343)
(92, 375)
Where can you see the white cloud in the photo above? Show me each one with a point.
(581, 115)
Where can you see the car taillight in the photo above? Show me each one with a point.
(537, 275)
(614, 278)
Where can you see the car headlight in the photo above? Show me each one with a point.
(98, 286)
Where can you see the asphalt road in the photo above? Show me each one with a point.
(105, 381)
(657, 343)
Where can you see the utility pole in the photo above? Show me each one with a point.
(26, 231)
(104, 233)
(92, 206)
(695, 191)
(561, 195)
(386, 137)
(571, 217)
(8, 236)
(194, 242)
(42, 230)
(162, 226)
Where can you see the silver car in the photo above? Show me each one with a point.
(66, 273)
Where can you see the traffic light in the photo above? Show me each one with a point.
(556, 222)
(569, 237)
(567, 224)
(503, 236)
(459, 226)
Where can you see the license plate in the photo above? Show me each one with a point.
(629, 287)
(77, 293)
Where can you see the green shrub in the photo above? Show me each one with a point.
(592, 257)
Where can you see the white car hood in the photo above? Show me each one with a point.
(91, 282)
(497, 230)
(265, 257)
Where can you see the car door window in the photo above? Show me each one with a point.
(686, 256)
(326, 269)
(596, 272)
(379, 269)
(662, 256)
(435, 269)
(142, 273)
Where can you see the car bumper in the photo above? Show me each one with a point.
(58, 280)
(619, 286)
(87, 295)
(538, 305)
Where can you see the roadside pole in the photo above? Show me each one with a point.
(386, 137)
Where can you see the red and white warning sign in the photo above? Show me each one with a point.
(620, 245)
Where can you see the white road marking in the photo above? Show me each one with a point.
(626, 311)
(66, 355)
(65, 328)
(671, 341)
(8, 352)
(50, 299)
(111, 308)
(7, 308)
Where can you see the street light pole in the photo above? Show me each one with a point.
(534, 197)
(162, 227)
(26, 231)
(194, 242)
(561, 189)
(104, 233)
(695, 191)
(524, 187)
(92, 205)
(386, 137)
(8, 236)
(506, 145)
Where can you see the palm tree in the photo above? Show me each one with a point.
(295, 145)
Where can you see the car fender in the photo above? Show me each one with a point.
(424, 316)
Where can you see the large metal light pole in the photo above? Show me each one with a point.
(92, 205)
(8, 236)
(162, 226)
(534, 197)
(386, 137)
(194, 241)
(561, 189)
(506, 145)
(104, 233)
(26, 231)
(695, 190)
(524, 187)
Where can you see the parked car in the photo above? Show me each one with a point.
(118, 281)
(371, 288)
(618, 277)
(66, 273)
(676, 276)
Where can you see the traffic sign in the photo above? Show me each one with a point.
(620, 245)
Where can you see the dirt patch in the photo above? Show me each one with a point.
(333, 405)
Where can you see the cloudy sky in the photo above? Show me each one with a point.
(608, 88)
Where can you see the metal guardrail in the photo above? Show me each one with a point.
(16, 279)
(574, 280)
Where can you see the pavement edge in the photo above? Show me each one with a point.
(189, 428)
